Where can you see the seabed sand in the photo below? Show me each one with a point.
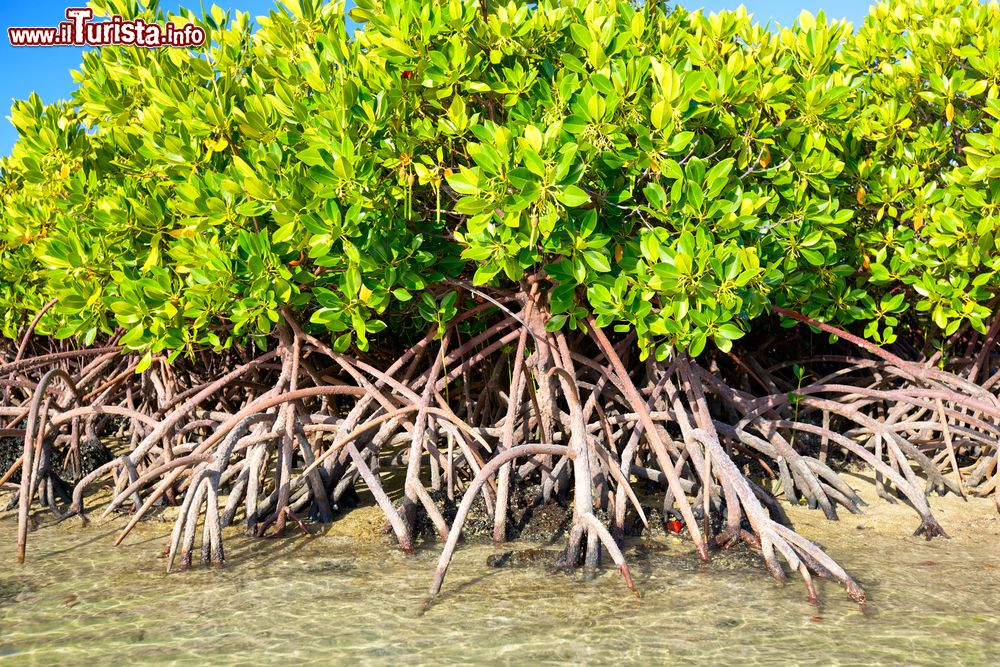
(972, 524)
(346, 596)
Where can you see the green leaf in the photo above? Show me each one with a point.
(571, 195)
(144, 363)
(352, 281)
(284, 232)
(729, 332)
(697, 344)
(465, 182)
(485, 273)
(597, 261)
(679, 142)
(533, 162)
(555, 323)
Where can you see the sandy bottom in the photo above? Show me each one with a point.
(971, 522)
(346, 597)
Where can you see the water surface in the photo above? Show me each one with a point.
(81, 601)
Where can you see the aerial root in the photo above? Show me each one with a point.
(289, 434)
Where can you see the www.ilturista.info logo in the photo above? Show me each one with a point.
(80, 30)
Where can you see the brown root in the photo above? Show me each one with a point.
(290, 434)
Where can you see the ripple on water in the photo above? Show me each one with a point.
(322, 599)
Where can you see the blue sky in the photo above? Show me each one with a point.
(46, 70)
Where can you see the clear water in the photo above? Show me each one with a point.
(81, 601)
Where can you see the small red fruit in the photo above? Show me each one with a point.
(674, 526)
(407, 74)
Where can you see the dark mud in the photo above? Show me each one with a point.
(93, 454)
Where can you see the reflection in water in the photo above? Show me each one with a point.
(325, 599)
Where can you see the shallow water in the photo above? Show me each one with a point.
(81, 601)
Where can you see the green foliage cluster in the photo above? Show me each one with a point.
(925, 171)
(669, 172)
